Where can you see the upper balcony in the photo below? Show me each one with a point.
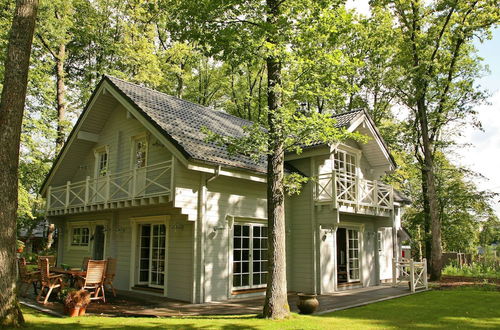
(350, 193)
(139, 186)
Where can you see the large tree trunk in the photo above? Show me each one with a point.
(429, 181)
(427, 236)
(61, 93)
(276, 303)
(11, 116)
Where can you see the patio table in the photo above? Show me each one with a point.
(73, 274)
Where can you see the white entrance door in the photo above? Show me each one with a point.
(352, 255)
(152, 254)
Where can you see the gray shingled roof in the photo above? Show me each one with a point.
(181, 121)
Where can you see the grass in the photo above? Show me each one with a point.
(465, 308)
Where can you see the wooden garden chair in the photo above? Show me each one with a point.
(49, 281)
(85, 263)
(52, 260)
(94, 279)
(110, 274)
(27, 278)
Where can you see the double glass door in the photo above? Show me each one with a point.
(152, 254)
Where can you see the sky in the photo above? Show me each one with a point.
(481, 149)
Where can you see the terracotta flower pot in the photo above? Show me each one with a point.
(82, 311)
(74, 311)
(308, 303)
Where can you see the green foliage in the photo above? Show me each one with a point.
(485, 266)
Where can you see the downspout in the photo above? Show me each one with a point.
(214, 176)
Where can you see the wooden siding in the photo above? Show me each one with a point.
(118, 245)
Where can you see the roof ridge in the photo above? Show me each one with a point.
(348, 112)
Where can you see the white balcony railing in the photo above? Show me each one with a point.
(346, 189)
(149, 181)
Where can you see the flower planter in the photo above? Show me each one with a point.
(308, 303)
(82, 311)
(75, 311)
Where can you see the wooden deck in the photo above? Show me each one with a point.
(138, 304)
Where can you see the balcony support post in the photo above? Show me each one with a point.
(334, 189)
(107, 189)
(68, 188)
(375, 195)
(134, 182)
(49, 193)
(87, 190)
(356, 193)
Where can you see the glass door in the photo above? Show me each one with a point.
(152, 255)
(249, 256)
(157, 257)
(353, 255)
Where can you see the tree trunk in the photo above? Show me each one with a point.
(61, 93)
(428, 181)
(276, 303)
(427, 236)
(50, 235)
(11, 116)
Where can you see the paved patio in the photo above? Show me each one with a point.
(139, 304)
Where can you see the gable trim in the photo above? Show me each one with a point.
(365, 118)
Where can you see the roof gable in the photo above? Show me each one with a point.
(180, 122)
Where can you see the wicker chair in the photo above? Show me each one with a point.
(110, 274)
(52, 260)
(49, 281)
(27, 278)
(94, 279)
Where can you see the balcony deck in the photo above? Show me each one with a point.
(139, 186)
(352, 194)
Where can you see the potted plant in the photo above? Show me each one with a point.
(84, 298)
(20, 246)
(75, 302)
(307, 303)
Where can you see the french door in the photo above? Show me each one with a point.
(352, 255)
(249, 256)
(152, 254)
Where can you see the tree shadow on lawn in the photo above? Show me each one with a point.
(432, 309)
(37, 320)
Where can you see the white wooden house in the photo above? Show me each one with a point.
(137, 181)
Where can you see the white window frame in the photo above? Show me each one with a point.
(252, 224)
(97, 161)
(70, 230)
(144, 137)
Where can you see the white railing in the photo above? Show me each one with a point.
(350, 190)
(149, 181)
(413, 272)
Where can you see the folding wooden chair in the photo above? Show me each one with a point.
(27, 278)
(49, 281)
(94, 279)
(110, 274)
(52, 260)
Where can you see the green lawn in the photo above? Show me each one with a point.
(458, 308)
